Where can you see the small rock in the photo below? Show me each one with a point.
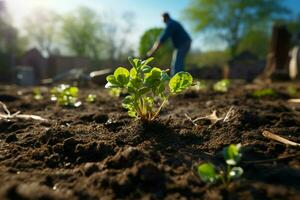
(90, 168)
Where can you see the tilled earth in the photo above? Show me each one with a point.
(97, 152)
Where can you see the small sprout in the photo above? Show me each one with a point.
(91, 98)
(222, 85)
(232, 156)
(115, 92)
(37, 94)
(147, 87)
(292, 90)
(65, 95)
(207, 173)
(200, 86)
(269, 92)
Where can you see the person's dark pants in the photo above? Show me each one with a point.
(178, 58)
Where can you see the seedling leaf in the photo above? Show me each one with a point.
(180, 82)
(232, 154)
(152, 79)
(65, 95)
(222, 86)
(148, 60)
(207, 172)
(236, 172)
(122, 76)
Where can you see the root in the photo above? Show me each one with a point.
(7, 115)
(213, 118)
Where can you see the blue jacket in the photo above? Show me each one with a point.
(176, 32)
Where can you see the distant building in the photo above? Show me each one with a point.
(53, 66)
(33, 58)
(245, 66)
(62, 64)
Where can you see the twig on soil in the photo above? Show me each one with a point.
(229, 114)
(8, 115)
(213, 118)
(294, 100)
(190, 119)
(278, 138)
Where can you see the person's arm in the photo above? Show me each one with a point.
(166, 34)
(154, 48)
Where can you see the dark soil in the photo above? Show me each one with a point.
(97, 152)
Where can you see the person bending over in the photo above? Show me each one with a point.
(180, 39)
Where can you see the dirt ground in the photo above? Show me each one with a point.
(97, 152)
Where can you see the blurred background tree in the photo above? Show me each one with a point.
(12, 45)
(82, 33)
(41, 29)
(231, 20)
(163, 56)
(256, 42)
(117, 35)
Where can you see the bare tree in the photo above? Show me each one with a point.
(118, 34)
(41, 28)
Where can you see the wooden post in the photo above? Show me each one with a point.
(278, 55)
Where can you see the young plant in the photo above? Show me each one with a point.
(200, 86)
(264, 93)
(91, 98)
(292, 90)
(222, 85)
(115, 92)
(37, 94)
(232, 155)
(65, 95)
(147, 87)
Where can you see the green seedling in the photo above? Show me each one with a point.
(37, 94)
(115, 92)
(209, 174)
(222, 85)
(149, 88)
(65, 95)
(292, 90)
(264, 93)
(200, 86)
(91, 98)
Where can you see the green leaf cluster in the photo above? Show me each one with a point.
(200, 85)
(91, 98)
(269, 92)
(232, 155)
(65, 95)
(37, 94)
(222, 85)
(292, 90)
(115, 92)
(147, 87)
(232, 20)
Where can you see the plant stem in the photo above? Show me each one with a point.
(223, 178)
(159, 109)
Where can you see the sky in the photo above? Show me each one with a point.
(146, 12)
